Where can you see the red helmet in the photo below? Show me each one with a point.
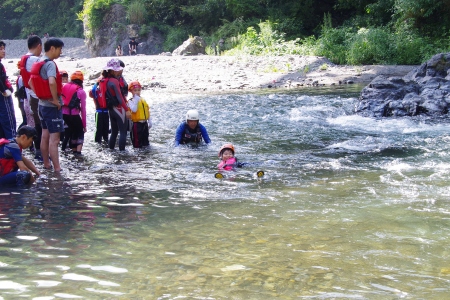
(226, 147)
(77, 75)
(134, 84)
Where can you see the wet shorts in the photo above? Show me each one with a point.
(51, 119)
(15, 178)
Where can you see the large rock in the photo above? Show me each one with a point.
(192, 46)
(425, 90)
(114, 32)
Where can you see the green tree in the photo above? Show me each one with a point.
(58, 18)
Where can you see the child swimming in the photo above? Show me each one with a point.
(227, 159)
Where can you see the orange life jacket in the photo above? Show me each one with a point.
(41, 86)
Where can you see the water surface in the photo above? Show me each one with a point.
(349, 208)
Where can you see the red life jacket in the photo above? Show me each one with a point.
(41, 86)
(68, 90)
(23, 71)
(7, 165)
(101, 92)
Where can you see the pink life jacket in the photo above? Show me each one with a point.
(67, 92)
(228, 164)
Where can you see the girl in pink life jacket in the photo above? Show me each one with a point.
(227, 160)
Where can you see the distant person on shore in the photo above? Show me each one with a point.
(46, 82)
(191, 131)
(7, 115)
(26, 62)
(140, 115)
(111, 94)
(119, 51)
(221, 46)
(132, 47)
(74, 112)
(15, 169)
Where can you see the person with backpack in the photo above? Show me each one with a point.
(46, 82)
(26, 62)
(110, 93)
(74, 111)
(15, 169)
(7, 115)
(101, 114)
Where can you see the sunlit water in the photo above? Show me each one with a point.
(349, 208)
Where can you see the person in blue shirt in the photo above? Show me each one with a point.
(191, 131)
(15, 169)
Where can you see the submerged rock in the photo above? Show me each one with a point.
(424, 90)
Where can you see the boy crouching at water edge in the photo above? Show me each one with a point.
(15, 169)
(140, 115)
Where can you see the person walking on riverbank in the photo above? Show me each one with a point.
(26, 62)
(47, 84)
(191, 131)
(7, 115)
(111, 94)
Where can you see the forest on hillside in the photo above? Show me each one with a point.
(346, 31)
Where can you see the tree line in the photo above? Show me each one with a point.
(349, 31)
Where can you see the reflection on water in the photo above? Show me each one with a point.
(349, 208)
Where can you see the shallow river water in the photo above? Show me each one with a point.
(349, 208)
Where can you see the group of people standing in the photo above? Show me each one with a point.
(54, 111)
(43, 85)
(53, 106)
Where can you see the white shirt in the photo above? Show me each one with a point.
(30, 61)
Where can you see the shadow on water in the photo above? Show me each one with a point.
(349, 207)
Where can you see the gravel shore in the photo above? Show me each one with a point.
(210, 74)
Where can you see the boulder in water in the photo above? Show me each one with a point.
(424, 90)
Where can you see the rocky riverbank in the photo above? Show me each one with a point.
(211, 74)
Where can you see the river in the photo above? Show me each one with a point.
(349, 208)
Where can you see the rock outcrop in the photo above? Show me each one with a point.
(114, 32)
(192, 46)
(424, 90)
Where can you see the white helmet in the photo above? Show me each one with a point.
(192, 115)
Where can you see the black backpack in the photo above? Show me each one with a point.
(21, 93)
(75, 102)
